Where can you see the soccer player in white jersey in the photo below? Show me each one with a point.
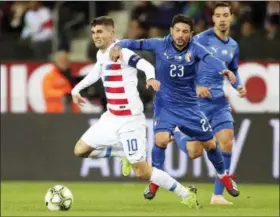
(121, 131)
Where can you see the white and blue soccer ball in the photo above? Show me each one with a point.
(59, 198)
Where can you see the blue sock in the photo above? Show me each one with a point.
(181, 141)
(216, 158)
(218, 186)
(158, 157)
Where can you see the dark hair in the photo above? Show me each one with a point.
(103, 20)
(222, 4)
(180, 18)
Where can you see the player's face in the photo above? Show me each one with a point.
(222, 18)
(102, 36)
(181, 34)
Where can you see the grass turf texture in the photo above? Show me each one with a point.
(125, 199)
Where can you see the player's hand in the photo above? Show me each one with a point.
(155, 84)
(203, 92)
(230, 75)
(242, 92)
(115, 53)
(78, 99)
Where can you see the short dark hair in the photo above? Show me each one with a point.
(222, 4)
(103, 20)
(180, 18)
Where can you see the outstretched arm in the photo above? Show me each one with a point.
(150, 44)
(202, 54)
(135, 61)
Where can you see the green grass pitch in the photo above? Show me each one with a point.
(125, 199)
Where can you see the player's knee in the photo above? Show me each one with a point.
(196, 152)
(82, 150)
(226, 145)
(142, 170)
(162, 139)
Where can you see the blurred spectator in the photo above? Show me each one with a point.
(194, 10)
(38, 29)
(249, 43)
(18, 10)
(272, 44)
(136, 30)
(57, 85)
(200, 25)
(273, 27)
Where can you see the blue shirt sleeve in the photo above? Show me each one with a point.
(233, 66)
(151, 44)
(202, 54)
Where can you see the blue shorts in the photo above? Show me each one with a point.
(191, 121)
(218, 112)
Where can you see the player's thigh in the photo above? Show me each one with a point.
(164, 125)
(196, 125)
(135, 144)
(82, 149)
(222, 119)
(103, 132)
(195, 149)
(225, 139)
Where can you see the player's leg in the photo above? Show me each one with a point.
(95, 141)
(223, 128)
(135, 148)
(197, 126)
(163, 126)
(188, 145)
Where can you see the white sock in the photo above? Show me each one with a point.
(107, 151)
(163, 180)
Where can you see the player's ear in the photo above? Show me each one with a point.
(171, 29)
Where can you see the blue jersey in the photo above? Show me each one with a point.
(225, 50)
(176, 69)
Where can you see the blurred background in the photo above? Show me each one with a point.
(46, 48)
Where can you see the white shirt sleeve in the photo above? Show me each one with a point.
(91, 78)
(130, 58)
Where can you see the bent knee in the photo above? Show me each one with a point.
(162, 139)
(142, 170)
(195, 150)
(81, 149)
(226, 145)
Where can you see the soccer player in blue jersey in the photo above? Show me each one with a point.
(176, 103)
(210, 90)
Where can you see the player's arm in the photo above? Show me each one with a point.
(91, 78)
(202, 54)
(135, 61)
(151, 44)
(233, 66)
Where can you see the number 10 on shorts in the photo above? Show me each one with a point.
(132, 145)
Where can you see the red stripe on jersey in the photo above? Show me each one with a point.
(121, 112)
(113, 67)
(117, 101)
(113, 78)
(48, 24)
(114, 89)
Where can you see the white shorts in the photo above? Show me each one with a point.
(128, 131)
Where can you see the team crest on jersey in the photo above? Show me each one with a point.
(188, 57)
(155, 122)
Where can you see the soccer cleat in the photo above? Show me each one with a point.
(126, 166)
(219, 200)
(150, 191)
(191, 200)
(230, 185)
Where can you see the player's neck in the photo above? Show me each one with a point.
(103, 50)
(178, 47)
(221, 35)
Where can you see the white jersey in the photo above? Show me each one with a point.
(119, 80)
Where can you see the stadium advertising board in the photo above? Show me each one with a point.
(21, 86)
(40, 147)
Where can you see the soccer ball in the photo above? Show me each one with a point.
(59, 198)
